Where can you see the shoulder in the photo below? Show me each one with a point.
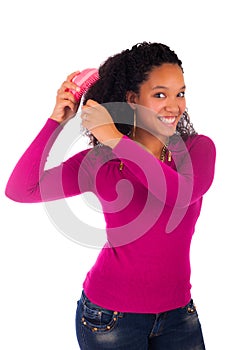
(195, 146)
(95, 156)
(191, 141)
(201, 142)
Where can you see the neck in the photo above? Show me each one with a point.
(150, 142)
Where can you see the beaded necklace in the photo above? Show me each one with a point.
(164, 152)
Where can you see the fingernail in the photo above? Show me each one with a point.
(77, 88)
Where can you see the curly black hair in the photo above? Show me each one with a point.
(126, 71)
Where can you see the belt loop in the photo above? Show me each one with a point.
(83, 298)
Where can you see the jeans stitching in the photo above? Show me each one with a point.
(98, 328)
(159, 326)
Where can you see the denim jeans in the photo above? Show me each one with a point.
(99, 329)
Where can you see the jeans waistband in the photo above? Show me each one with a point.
(84, 298)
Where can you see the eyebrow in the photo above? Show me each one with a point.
(165, 87)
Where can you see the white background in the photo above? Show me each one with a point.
(41, 43)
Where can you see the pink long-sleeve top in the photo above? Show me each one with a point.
(150, 207)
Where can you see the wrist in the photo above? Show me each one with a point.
(59, 120)
(56, 119)
(112, 137)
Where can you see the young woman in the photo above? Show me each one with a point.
(149, 169)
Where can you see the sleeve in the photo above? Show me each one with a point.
(30, 183)
(178, 187)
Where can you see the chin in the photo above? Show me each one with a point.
(169, 133)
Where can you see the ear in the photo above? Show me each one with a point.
(131, 99)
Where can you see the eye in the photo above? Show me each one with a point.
(160, 95)
(181, 94)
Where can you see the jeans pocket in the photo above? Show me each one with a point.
(99, 319)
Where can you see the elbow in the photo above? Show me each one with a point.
(17, 195)
(13, 190)
(13, 195)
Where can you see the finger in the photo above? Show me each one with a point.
(72, 75)
(91, 106)
(69, 85)
(84, 117)
(66, 96)
(92, 103)
(85, 109)
(85, 124)
(66, 103)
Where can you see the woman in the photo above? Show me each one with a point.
(149, 169)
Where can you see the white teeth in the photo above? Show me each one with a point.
(168, 120)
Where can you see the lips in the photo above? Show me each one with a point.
(167, 120)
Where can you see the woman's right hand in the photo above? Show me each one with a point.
(66, 105)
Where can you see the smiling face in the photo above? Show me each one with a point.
(160, 101)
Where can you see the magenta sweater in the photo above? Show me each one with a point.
(150, 208)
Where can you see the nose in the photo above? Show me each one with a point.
(172, 106)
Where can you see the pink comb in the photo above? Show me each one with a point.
(85, 79)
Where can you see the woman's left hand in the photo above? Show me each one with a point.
(99, 122)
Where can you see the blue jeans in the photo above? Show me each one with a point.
(99, 329)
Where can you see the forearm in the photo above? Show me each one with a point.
(23, 184)
(171, 186)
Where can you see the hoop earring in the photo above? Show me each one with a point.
(134, 123)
